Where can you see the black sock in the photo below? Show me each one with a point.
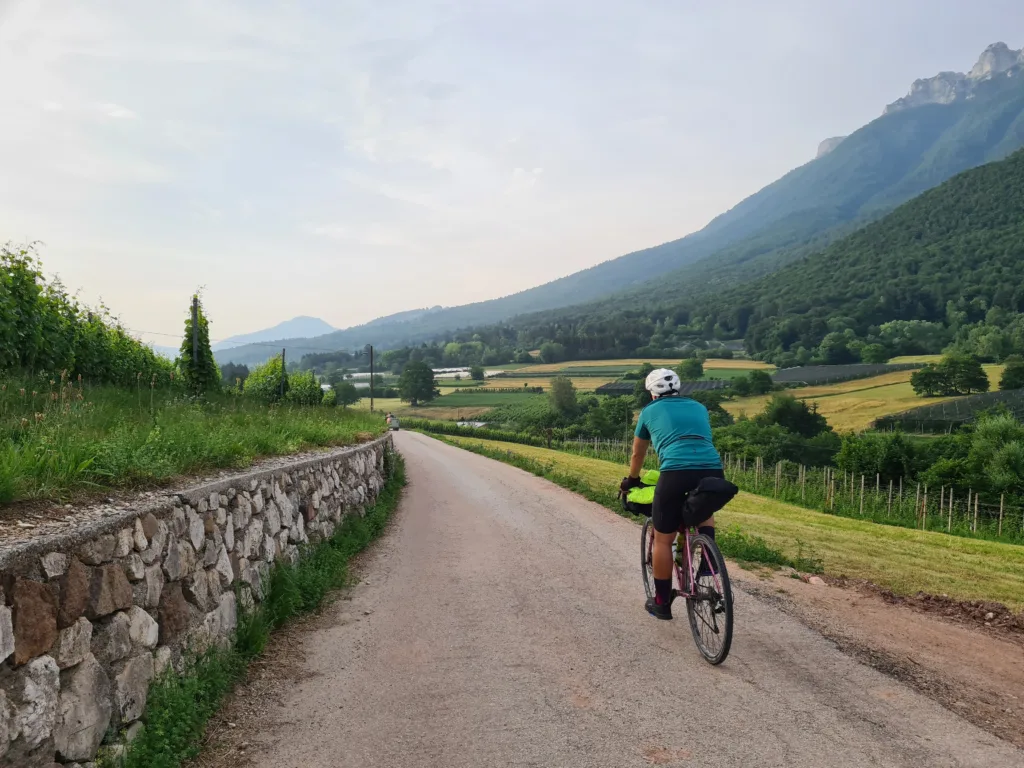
(707, 530)
(663, 591)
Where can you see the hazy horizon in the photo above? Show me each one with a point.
(350, 160)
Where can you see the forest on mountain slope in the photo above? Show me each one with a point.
(945, 268)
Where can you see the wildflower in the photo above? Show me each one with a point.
(24, 422)
(22, 391)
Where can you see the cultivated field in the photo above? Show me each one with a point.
(628, 364)
(854, 405)
(904, 560)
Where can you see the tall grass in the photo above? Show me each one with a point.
(62, 438)
(180, 705)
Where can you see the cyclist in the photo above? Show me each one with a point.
(680, 429)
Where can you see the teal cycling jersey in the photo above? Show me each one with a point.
(680, 430)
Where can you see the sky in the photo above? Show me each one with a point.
(348, 159)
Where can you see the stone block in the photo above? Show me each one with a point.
(111, 639)
(74, 593)
(143, 630)
(268, 550)
(157, 543)
(213, 586)
(109, 591)
(229, 533)
(74, 643)
(6, 633)
(227, 608)
(36, 707)
(196, 588)
(84, 708)
(55, 565)
(172, 561)
(173, 615)
(139, 536)
(161, 660)
(125, 542)
(271, 519)
(134, 568)
(150, 525)
(34, 613)
(147, 592)
(99, 550)
(179, 522)
(131, 686)
(196, 530)
(224, 569)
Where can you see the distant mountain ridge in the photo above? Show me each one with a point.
(297, 326)
(911, 148)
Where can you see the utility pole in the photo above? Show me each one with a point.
(283, 374)
(371, 378)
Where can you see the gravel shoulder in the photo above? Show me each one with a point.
(500, 622)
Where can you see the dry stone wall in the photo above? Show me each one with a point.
(90, 617)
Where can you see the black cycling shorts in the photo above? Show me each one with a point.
(669, 511)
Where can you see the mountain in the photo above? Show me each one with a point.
(910, 148)
(962, 242)
(297, 326)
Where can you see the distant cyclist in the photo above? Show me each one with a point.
(680, 429)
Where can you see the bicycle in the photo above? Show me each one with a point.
(707, 591)
(701, 579)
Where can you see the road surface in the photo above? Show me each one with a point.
(502, 624)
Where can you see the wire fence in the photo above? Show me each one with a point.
(826, 489)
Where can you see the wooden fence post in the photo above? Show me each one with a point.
(888, 509)
(878, 482)
(1002, 497)
(949, 525)
(803, 482)
(917, 499)
(862, 495)
(975, 513)
(924, 510)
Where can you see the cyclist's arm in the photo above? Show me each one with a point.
(636, 464)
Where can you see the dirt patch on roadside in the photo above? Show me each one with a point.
(967, 656)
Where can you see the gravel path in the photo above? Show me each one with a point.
(502, 624)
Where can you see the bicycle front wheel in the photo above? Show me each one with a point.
(646, 556)
(709, 608)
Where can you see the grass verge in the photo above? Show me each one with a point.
(79, 439)
(903, 560)
(733, 542)
(179, 706)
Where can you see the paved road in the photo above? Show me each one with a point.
(507, 629)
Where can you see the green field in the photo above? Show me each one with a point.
(904, 560)
(480, 399)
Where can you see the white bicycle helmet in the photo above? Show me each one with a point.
(662, 382)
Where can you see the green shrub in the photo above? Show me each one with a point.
(330, 398)
(266, 382)
(304, 389)
(199, 374)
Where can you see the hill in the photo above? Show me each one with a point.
(297, 326)
(907, 150)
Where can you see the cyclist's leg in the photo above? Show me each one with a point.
(667, 517)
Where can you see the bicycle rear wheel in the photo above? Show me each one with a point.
(710, 607)
(646, 563)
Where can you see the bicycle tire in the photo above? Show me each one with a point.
(702, 612)
(646, 566)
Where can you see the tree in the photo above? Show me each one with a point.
(304, 389)
(347, 394)
(611, 418)
(563, 396)
(200, 374)
(955, 374)
(741, 385)
(691, 369)
(416, 384)
(794, 415)
(477, 373)
(874, 353)
(760, 382)
(267, 381)
(928, 381)
(1013, 373)
(552, 352)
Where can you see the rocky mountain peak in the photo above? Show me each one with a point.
(998, 60)
(828, 145)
